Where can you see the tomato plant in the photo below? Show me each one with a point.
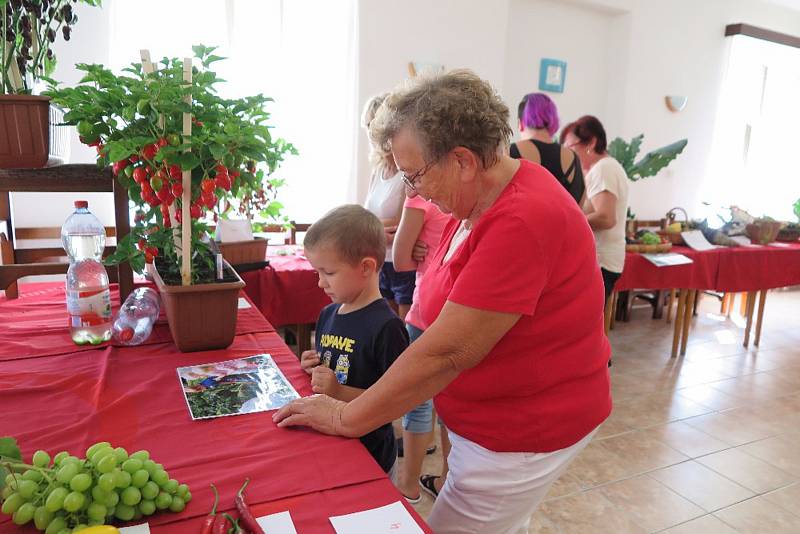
(135, 120)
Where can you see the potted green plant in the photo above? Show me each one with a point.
(28, 28)
(652, 162)
(136, 122)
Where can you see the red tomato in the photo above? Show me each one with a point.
(150, 151)
(196, 211)
(221, 169)
(162, 142)
(133, 159)
(177, 189)
(142, 244)
(139, 175)
(210, 200)
(223, 181)
(208, 185)
(175, 172)
(118, 166)
(148, 258)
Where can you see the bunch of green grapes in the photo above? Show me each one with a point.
(70, 493)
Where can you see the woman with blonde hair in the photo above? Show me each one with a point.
(385, 199)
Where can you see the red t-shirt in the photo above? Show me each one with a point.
(545, 385)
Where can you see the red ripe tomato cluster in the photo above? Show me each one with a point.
(161, 183)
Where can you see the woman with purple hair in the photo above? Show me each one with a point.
(538, 122)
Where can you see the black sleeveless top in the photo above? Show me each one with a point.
(550, 154)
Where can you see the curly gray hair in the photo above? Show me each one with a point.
(457, 108)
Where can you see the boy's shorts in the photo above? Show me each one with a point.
(395, 286)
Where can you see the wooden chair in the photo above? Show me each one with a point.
(297, 228)
(18, 263)
(655, 297)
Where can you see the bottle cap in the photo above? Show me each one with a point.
(81, 204)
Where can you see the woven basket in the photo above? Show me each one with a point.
(648, 249)
(675, 238)
(763, 232)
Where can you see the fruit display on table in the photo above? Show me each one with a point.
(67, 494)
(648, 242)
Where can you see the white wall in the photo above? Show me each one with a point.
(453, 33)
(582, 42)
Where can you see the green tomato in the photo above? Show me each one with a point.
(143, 106)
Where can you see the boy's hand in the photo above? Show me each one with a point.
(390, 232)
(309, 360)
(323, 380)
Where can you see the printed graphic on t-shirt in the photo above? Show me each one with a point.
(345, 346)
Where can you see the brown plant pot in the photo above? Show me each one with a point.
(239, 252)
(24, 131)
(202, 316)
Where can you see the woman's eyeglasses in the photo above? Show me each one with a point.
(411, 181)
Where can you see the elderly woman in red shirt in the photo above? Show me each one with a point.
(515, 355)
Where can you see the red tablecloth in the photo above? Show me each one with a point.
(641, 273)
(764, 267)
(726, 269)
(286, 291)
(131, 397)
(34, 325)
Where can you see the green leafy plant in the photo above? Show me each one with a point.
(135, 122)
(796, 207)
(650, 164)
(27, 31)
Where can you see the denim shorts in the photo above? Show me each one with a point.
(420, 419)
(395, 286)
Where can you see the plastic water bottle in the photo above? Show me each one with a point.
(136, 317)
(88, 295)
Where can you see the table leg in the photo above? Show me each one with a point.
(751, 304)
(725, 304)
(687, 318)
(761, 301)
(670, 301)
(743, 305)
(303, 337)
(676, 336)
(658, 308)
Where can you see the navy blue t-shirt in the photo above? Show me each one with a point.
(359, 347)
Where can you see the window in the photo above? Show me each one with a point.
(302, 53)
(753, 163)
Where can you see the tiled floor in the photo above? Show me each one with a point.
(704, 444)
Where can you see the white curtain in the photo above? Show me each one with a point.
(753, 159)
(302, 53)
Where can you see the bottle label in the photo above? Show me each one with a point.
(89, 307)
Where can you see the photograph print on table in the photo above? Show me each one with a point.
(234, 387)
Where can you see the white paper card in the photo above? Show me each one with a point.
(144, 528)
(696, 240)
(744, 241)
(390, 519)
(231, 231)
(243, 304)
(667, 260)
(280, 523)
(779, 245)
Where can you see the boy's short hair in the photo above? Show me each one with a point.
(356, 233)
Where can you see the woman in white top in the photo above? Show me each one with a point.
(606, 202)
(385, 199)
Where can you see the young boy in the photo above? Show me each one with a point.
(358, 336)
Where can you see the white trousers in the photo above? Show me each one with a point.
(495, 492)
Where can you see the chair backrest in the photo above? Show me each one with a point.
(298, 228)
(661, 224)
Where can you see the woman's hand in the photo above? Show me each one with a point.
(420, 251)
(320, 412)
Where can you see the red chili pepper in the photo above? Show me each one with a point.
(209, 522)
(220, 525)
(245, 515)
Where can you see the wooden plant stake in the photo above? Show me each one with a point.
(186, 226)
